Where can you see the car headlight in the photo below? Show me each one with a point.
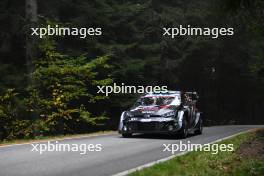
(133, 119)
(169, 114)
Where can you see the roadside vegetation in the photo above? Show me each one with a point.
(246, 160)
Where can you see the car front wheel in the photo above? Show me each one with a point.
(183, 131)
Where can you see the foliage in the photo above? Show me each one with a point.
(62, 86)
(8, 112)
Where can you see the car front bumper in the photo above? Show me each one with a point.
(151, 126)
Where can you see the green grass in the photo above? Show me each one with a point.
(204, 163)
(45, 138)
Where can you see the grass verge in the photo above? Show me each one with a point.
(247, 159)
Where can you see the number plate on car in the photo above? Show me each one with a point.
(145, 120)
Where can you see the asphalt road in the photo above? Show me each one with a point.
(117, 155)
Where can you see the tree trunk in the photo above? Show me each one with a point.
(31, 20)
(31, 45)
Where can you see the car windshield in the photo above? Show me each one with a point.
(152, 101)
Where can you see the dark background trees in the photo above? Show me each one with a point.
(228, 72)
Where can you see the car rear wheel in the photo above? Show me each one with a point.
(200, 127)
(127, 135)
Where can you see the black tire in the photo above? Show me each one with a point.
(127, 135)
(200, 128)
(183, 133)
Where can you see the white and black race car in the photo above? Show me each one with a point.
(172, 112)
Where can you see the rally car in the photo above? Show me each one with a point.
(172, 112)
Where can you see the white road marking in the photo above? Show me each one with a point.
(59, 139)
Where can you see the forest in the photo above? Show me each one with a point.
(48, 86)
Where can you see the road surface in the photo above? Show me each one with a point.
(117, 155)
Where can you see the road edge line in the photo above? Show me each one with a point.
(58, 139)
(124, 173)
